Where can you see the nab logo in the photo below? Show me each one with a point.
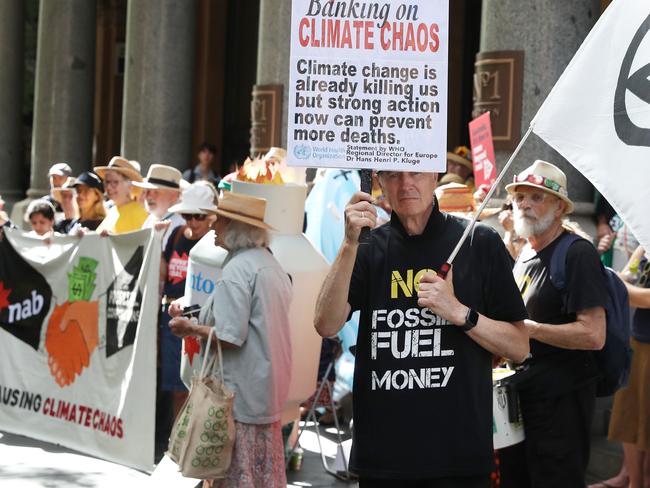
(408, 286)
(22, 310)
(25, 309)
(637, 83)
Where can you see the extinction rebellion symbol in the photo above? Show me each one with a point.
(637, 83)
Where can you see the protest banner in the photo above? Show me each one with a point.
(78, 322)
(480, 136)
(598, 114)
(368, 85)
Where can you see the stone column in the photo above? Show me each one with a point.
(550, 34)
(159, 81)
(12, 43)
(64, 94)
(274, 46)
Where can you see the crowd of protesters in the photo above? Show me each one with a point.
(498, 303)
(249, 306)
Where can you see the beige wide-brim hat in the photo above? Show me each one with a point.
(460, 160)
(242, 208)
(130, 169)
(546, 177)
(196, 199)
(162, 177)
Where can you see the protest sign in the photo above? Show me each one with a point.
(78, 342)
(598, 114)
(368, 85)
(480, 136)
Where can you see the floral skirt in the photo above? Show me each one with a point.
(257, 458)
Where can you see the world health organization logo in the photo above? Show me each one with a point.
(302, 151)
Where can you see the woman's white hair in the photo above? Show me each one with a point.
(240, 235)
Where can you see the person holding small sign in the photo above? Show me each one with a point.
(423, 376)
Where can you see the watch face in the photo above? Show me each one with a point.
(473, 316)
(471, 320)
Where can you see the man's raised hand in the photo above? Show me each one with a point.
(438, 296)
(359, 213)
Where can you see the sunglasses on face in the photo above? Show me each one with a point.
(199, 217)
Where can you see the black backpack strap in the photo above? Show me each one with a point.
(557, 271)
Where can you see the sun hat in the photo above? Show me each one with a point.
(462, 156)
(90, 179)
(196, 199)
(130, 169)
(242, 208)
(546, 177)
(162, 177)
(60, 169)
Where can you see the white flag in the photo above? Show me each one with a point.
(598, 114)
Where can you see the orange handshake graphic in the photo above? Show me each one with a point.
(71, 338)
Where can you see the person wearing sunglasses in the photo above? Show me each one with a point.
(174, 261)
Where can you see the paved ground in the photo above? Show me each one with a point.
(27, 463)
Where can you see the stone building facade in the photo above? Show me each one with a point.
(151, 79)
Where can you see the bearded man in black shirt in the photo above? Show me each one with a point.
(422, 382)
(557, 388)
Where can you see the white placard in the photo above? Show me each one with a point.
(368, 85)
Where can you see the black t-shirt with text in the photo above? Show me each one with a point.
(553, 370)
(423, 387)
(177, 255)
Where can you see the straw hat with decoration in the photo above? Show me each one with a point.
(130, 169)
(546, 177)
(242, 208)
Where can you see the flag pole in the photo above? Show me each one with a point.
(447, 266)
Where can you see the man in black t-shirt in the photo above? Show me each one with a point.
(556, 387)
(422, 382)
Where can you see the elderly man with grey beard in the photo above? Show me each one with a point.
(162, 189)
(557, 383)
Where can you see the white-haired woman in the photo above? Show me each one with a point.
(249, 311)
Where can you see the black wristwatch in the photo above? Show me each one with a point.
(471, 319)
